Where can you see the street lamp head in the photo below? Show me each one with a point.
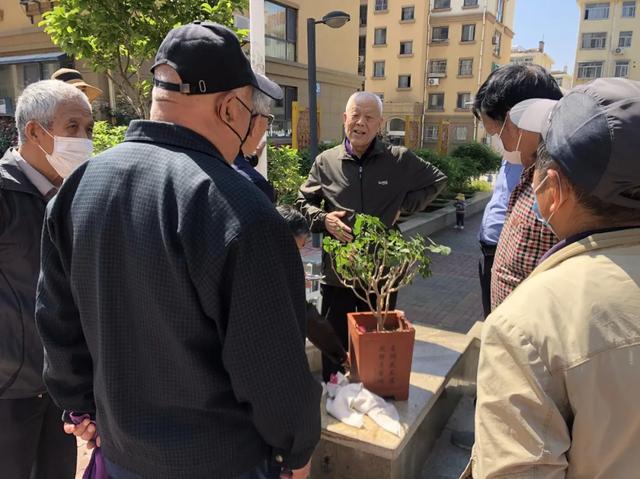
(336, 19)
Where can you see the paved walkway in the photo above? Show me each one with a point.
(450, 299)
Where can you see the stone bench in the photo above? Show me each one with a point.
(442, 370)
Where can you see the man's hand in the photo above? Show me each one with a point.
(302, 473)
(337, 228)
(86, 431)
(397, 217)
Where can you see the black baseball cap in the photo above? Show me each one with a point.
(594, 134)
(209, 59)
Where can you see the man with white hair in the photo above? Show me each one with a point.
(361, 175)
(171, 301)
(54, 126)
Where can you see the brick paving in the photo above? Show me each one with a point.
(450, 299)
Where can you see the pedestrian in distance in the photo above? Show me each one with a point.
(460, 205)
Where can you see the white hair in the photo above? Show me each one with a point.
(39, 102)
(261, 102)
(362, 96)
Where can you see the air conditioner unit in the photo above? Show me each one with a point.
(433, 81)
(619, 51)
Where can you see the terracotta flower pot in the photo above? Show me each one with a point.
(381, 360)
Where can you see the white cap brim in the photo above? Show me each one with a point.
(533, 115)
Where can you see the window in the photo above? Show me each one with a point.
(629, 9)
(470, 3)
(465, 67)
(594, 40)
(380, 36)
(281, 24)
(363, 15)
(596, 11)
(406, 48)
(378, 69)
(461, 133)
(407, 14)
(624, 41)
(438, 66)
(381, 5)
(590, 70)
(528, 60)
(440, 34)
(497, 40)
(468, 33)
(404, 81)
(436, 101)
(622, 69)
(381, 96)
(281, 126)
(558, 80)
(464, 101)
(431, 133)
(500, 11)
(438, 4)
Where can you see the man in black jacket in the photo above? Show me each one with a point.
(171, 301)
(50, 116)
(362, 175)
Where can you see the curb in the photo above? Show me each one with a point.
(428, 223)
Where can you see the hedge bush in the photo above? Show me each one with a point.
(106, 136)
(8, 133)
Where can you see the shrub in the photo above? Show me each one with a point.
(481, 185)
(483, 157)
(8, 133)
(284, 173)
(307, 162)
(106, 136)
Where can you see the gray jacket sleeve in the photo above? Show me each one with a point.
(68, 366)
(264, 340)
(310, 198)
(426, 183)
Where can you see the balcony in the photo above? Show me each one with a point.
(35, 8)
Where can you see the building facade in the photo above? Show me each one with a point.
(427, 59)
(27, 55)
(532, 56)
(608, 40)
(563, 78)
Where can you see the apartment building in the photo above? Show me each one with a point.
(563, 78)
(532, 56)
(608, 40)
(28, 55)
(426, 60)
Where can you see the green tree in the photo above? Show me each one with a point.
(284, 173)
(120, 37)
(106, 136)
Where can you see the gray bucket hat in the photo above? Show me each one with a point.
(593, 133)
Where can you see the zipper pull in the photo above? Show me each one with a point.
(360, 171)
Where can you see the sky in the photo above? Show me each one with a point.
(555, 21)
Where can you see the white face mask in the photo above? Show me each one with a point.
(68, 153)
(513, 157)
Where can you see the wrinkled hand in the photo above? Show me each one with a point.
(337, 228)
(86, 431)
(302, 473)
(397, 217)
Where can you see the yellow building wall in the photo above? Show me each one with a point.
(613, 26)
(537, 58)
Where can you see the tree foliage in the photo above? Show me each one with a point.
(106, 136)
(379, 262)
(283, 172)
(121, 37)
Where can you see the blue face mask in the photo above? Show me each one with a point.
(536, 211)
(536, 207)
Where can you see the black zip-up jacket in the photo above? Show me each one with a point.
(386, 180)
(22, 210)
(171, 304)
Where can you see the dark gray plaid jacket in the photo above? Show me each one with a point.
(171, 304)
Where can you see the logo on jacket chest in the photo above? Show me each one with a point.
(383, 182)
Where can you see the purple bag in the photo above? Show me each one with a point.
(96, 468)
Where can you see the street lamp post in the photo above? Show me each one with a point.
(334, 19)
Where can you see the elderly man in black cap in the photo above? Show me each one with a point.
(171, 302)
(558, 379)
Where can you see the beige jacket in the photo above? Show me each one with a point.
(559, 372)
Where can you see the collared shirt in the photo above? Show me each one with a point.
(42, 184)
(523, 241)
(496, 210)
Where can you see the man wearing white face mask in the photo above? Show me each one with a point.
(558, 376)
(54, 124)
(509, 224)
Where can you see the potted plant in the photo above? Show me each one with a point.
(375, 265)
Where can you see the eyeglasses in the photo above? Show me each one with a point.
(269, 117)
